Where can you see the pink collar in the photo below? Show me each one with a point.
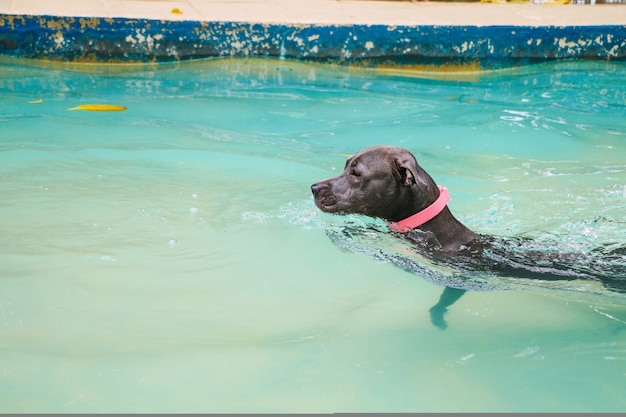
(419, 218)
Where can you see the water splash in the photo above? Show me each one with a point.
(600, 271)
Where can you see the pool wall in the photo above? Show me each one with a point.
(93, 39)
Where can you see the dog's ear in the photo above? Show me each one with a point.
(408, 172)
(403, 173)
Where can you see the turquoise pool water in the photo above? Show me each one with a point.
(169, 258)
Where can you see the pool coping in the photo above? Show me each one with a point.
(467, 36)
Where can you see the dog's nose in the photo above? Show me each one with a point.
(315, 189)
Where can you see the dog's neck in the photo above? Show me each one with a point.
(451, 233)
(423, 216)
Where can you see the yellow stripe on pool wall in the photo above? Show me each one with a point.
(98, 107)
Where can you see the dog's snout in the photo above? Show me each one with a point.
(316, 188)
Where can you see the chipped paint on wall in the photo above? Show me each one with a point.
(144, 40)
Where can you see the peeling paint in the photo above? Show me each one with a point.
(91, 23)
(564, 43)
(58, 39)
(124, 40)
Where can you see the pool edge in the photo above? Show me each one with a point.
(454, 47)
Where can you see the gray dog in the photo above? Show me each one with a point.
(387, 182)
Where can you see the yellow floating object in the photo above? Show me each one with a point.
(36, 101)
(176, 10)
(98, 107)
(345, 155)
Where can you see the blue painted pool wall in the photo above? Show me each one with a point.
(144, 40)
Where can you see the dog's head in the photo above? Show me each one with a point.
(380, 181)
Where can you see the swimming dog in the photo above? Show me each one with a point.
(386, 182)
